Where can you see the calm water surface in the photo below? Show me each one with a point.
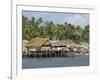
(28, 63)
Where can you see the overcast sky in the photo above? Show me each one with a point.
(81, 19)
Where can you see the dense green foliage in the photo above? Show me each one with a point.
(32, 28)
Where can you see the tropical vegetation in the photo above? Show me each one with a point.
(32, 28)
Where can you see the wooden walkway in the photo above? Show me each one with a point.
(51, 54)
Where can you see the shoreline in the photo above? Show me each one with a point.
(57, 56)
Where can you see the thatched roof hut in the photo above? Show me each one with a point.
(37, 43)
(71, 44)
(85, 45)
(60, 42)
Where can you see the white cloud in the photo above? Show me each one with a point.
(77, 19)
(81, 19)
